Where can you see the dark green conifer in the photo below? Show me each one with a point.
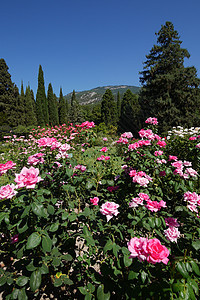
(75, 111)
(41, 100)
(9, 97)
(53, 120)
(118, 105)
(130, 109)
(29, 108)
(62, 109)
(108, 109)
(170, 91)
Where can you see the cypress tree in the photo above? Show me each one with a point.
(118, 105)
(9, 97)
(75, 112)
(108, 108)
(130, 110)
(51, 106)
(56, 111)
(170, 91)
(62, 109)
(29, 108)
(41, 100)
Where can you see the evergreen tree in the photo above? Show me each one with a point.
(118, 105)
(62, 109)
(170, 91)
(33, 102)
(41, 100)
(21, 107)
(108, 108)
(75, 112)
(29, 108)
(53, 120)
(130, 109)
(56, 111)
(9, 97)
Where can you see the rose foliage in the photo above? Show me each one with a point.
(77, 224)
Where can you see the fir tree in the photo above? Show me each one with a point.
(75, 112)
(170, 91)
(108, 109)
(130, 109)
(56, 111)
(62, 109)
(29, 108)
(21, 107)
(9, 97)
(118, 105)
(41, 100)
(53, 120)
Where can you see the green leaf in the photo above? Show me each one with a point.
(22, 227)
(2, 216)
(82, 289)
(46, 243)
(67, 281)
(33, 240)
(108, 246)
(196, 245)
(38, 209)
(195, 267)
(50, 209)
(191, 292)
(22, 295)
(35, 280)
(57, 282)
(3, 280)
(26, 211)
(132, 275)
(22, 280)
(30, 267)
(181, 268)
(44, 269)
(100, 293)
(127, 261)
(89, 185)
(67, 257)
(144, 275)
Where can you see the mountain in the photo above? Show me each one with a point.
(95, 95)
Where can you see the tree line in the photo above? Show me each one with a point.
(170, 91)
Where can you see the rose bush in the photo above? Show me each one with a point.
(84, 226)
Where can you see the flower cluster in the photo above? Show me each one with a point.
(148, 249)
(193, 201)
(36, 159)
(185, 173)
(152, 121)
(172, 233)
(140, 177)
(102, 157)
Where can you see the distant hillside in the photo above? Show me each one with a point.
(95, 95)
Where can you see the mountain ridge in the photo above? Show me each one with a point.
(95, 95)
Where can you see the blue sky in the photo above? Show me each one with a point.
(82, 44)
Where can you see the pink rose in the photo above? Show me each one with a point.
(104, 149)
(5, 167)
(7, 191)
(138, 248)
(171, 222)
(127, 135)
(157, 252)
(36, 159)
(109, 209)
(28, 178)
(172, 234)
(154, 205)
(94, 200)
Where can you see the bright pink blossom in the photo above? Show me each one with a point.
(152, 120)
(36, 159)
(161, 143)
(7, 166)
(104, 149)
(94, 200)
(172, 234)
(155, 206)
(157, 252)
(127, 135)
(7, 191)
(28, 178)
(109, 209)
(138, 248)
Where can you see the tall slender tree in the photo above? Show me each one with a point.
(41, 100)
(75, 112)
(53, 120)
(108, 108)
(29, 108)
(130, 109)
(170, 91)
(9, 97)
(21, 107)
(118, 105)
(62, 109)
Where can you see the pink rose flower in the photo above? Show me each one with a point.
(172, 234)
(104, 149)
(157, 252)
(94, 200)
(109, 209)
(7, 166)
(7, 191)
(28, 178)
(155, 206)
(138, 248)
(152, 120)
(127, 135)
(36, 159)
